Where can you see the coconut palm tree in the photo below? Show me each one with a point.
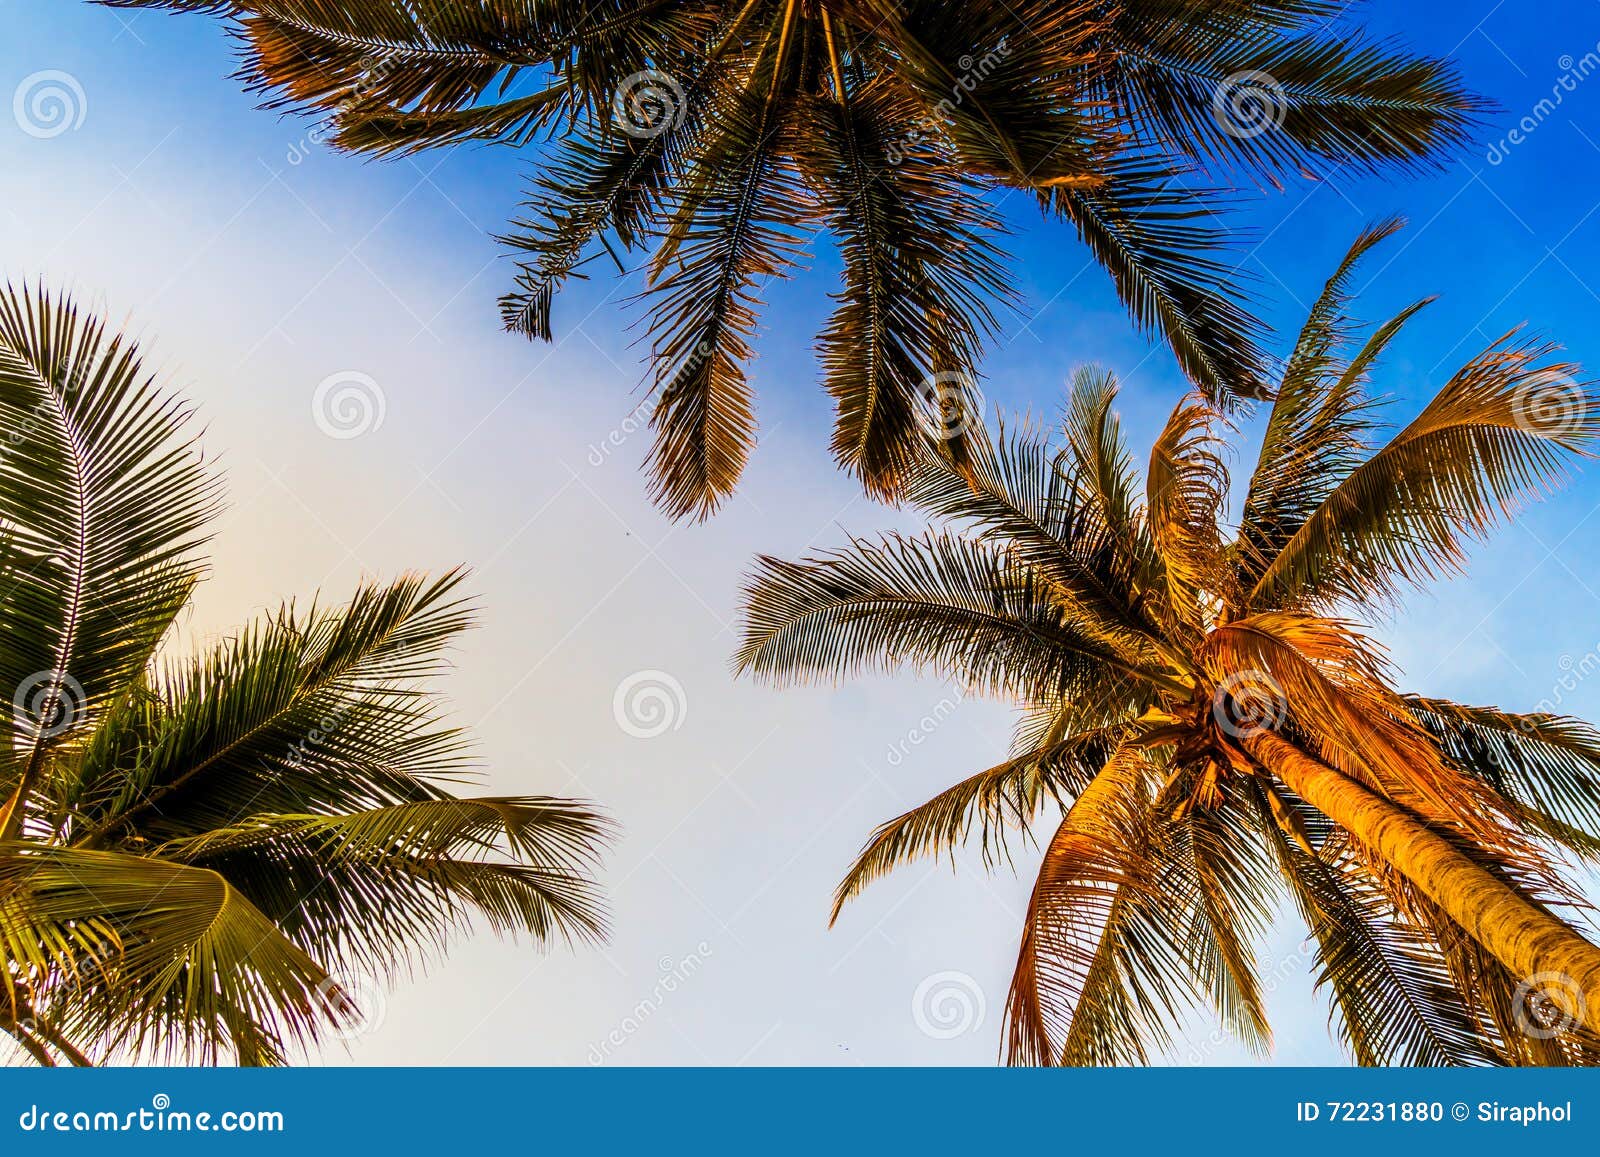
(1206, 706)
(206, 856)
(720, 136)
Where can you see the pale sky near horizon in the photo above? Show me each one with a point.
(256, 264)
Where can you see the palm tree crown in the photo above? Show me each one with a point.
(1204, 705)
(196, 854)
(721, 136)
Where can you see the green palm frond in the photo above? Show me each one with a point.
(936, 604)
(196, 967)
(198, 852)
(344, 886)
(320, 708)
(104, 501)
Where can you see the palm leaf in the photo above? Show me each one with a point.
(103, 501)
(1008, 794)
(1498, 434)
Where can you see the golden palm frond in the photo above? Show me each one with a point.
(1251, 735)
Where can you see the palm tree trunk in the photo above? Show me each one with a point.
(1525, 939)
(52, 1036)
(24, 1038)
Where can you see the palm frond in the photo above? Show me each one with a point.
(920, 272)
(1546, 767)
(1102, 972)
(1317, 431)
(1233, 909)
(361, 889)
(104, 501)
(1224, 81)
(1009, 794)
(1393, 997)
(321, 710)
(1157, 238)
(738, 226)
(194, 962)
(1499, 433)
(1185, 488)
(935, 603)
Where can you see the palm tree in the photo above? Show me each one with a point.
(721, 136)
(196, 854)
(1205, 706)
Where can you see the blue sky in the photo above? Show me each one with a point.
(257, 264)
